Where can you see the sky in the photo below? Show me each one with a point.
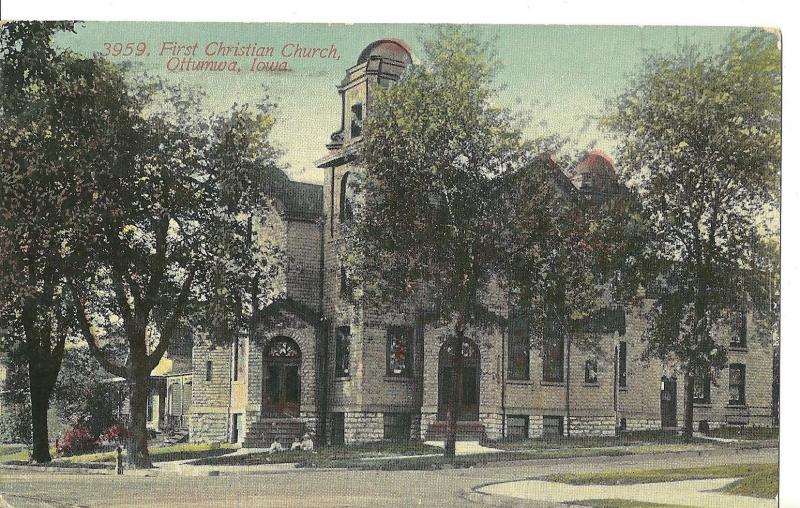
(560, 77)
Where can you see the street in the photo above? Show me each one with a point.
(315, 488)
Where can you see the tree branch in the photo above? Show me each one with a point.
(91, 340)
(172, 324)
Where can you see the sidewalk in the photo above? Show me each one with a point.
(683, 493)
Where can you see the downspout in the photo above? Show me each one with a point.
(230, 393)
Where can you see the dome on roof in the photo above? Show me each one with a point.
(596, 161)
(596, 171)
(387, 48)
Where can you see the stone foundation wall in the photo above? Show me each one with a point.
(642, 424)
(310, 420)
(425, 421)
(363, 427)
(208, 427)
(580, 426)
(493, 425)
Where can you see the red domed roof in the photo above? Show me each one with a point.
(596, 161)
(595, 172)
(387, 48)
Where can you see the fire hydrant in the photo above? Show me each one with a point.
(120, 467)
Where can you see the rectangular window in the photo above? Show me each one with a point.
(623, 364)
(337, 429)
(736, 385)
(208, 370)
(518, 354)
(343, 351)
(236, 428)
(552, 426)
(702, 387)
(739, 326)
(397, 426)
(400, 351)
(517, 426)
(236, 361)
(553, 360)
(356, 119)
(590, 371)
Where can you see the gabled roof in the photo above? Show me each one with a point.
(300, 200)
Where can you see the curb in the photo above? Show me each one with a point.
(56, 469)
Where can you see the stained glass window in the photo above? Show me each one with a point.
(400, 351)
(282, 347)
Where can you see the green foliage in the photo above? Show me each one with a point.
(81, 398)
(15, 422)
(699, 140)
(434, 143)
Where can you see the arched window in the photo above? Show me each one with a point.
(346, 198)
(282, 347)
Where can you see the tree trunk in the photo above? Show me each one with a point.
(567, 387)
(40, 403)
(688, 406)
(138, 453)
(454, 402)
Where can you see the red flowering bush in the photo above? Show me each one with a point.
(114, 434)
(77, 440)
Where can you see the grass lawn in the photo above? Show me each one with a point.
(625, 503)
(760, 484)
(746, 433)
(413, 453)
(13, 453)
(332, 453)
(758, 480)
(633, 438)
(180, 451)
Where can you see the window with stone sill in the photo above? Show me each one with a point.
(397, 426)
(518, 357)
(553, 360)
(622, 364)
(517, 426)
(552, 426)
(702, 387)
(739, 329)
(736, 384)
(590, 371)
(343, 351)
(399, 351)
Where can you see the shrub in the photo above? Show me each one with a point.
(77, 440)
(15, 423)
(116, 433)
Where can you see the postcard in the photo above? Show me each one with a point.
(265, 264)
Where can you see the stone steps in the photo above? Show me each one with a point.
(264, 431)
(465, 431)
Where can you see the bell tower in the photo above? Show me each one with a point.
(380, 63)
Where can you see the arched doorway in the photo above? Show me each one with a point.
(281, 385)
(469, 390)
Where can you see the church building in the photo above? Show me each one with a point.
(317, 363)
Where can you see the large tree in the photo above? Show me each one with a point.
(427, 215)
(699, 139)
(172, 226)
(51, 129)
